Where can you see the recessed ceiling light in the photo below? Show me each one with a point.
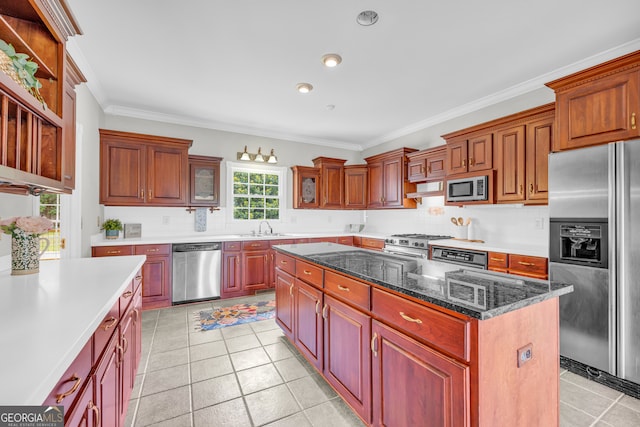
(367, 17)
(331, 60)
(304, 87)
(330, 107)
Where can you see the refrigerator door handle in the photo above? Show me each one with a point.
(614, 224)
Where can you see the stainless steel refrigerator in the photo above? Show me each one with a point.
(594, 212)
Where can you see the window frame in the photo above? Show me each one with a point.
(232, 167)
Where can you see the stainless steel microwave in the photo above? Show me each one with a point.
(468, 189)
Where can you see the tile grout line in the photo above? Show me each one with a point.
(144, 372)
(599, 418)
(235, 374)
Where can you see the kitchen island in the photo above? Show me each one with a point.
(408, 341)
(53, 320)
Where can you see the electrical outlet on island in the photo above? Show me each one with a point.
(525, 354)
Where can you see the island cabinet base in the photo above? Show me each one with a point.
(400, 361)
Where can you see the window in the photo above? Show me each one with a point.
(50, 208)
(257, 194)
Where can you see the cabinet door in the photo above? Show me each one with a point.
(332, 187)
(498, 261)
(480, 152)
(417, 169)
(436, 165)
(599, 111)
(167, 170)
(156, 281)
(355, 187)
(510, 153)
(376, 185)
(456, 156)
(255, 270)
(539, 143)
(308, 322)
(393, 181)
(413, 383)
(306, 187)
(122, 173)
(85, 412)
(347, 358)
(107, 384)
(127, 363)
(285, 302)
(231, 275)
(69, 138)
(204, 181)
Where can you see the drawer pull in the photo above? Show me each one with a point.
(138, 277)
(153, 250)
(317, 307)
(374, 344)
(255, 245)
(291, 289)
(126, 345)
(409, 319)
(497, 259)
(307, 272)
(531, 188)
(324, 312)
(283, 261)
(96, 411)
(633, 120)
(343, 288)
(109, 323)
(114, 252)
(527, 264)
(127, 294)
(78, 381)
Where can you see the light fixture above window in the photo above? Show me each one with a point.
(331, 60)
(304, 87)
(259, 157)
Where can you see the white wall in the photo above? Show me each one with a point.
(13, 205)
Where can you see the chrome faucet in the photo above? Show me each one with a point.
(268, 225)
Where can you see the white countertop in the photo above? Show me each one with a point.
(47, 318)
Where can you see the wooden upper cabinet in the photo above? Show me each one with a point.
(143, 170)
(469, 153)
(427, 165)
(73, 77)
(204, 181)
(539, 140)
(331, 182)
(388, 182)
(306, 187)
(355, 186)
(598, 105)
(510, 164)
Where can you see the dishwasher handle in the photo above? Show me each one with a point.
(197, 247)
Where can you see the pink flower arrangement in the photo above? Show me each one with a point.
(27, 224)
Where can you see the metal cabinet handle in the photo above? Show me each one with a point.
(633, 120)
(464, 163)
(114, 252)
(283, 261)
(497, 259)
(153, 250)
(317, 307)
(142, 193)
(343, 288)
(138, 277)
(96, 411)
(531, 188)
(126, 345)
(520, 188)
(422, 169)
(78, 381)
(324, 312)
(429, 169)
(374, 344)
(291, 289)
(409, 319)
(471, 161)
(119, 360)
(127, 294)
(307, 272)
(528, 264)
(109, 323)
(150, 194)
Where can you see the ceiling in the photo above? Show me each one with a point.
(234, 65)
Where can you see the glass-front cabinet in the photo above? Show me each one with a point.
(204, 182)
(306, 187)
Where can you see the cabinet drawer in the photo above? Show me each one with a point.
(348, 290)
(369, 243)
(528, 266)
(232, 246)
(431, 326)
(104, 331)
(152, 249)
(127, 296)
(99, 251)
(255, 245)
(346, 240)
(309, 273)
(285, 263)
(70, 384)
(498, 261)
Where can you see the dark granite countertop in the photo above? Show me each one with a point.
(476, 293)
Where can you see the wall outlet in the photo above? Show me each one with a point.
(166, 220)
(539, 223)
(525, 354)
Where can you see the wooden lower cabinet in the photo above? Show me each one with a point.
(347, 357)
(308, 322)
(285, 302)
(85, 412)
(413, 383)
(255, 270)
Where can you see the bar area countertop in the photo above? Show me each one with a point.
(476, 293)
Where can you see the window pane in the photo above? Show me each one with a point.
(256, 178)
(272, 203)
(257, 203)
(271, 179)
(240, 189)
(257, 213)
(240, 213)
(270, 191)
(272, 214)
(255, 194)
(240, 177)
(241, 202)
(257, 190)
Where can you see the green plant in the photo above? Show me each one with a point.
(26, 70)
(111, 224)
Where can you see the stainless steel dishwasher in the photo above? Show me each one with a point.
(196, 271)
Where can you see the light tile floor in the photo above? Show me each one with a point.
(249, 375)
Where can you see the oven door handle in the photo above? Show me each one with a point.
(410, 254)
